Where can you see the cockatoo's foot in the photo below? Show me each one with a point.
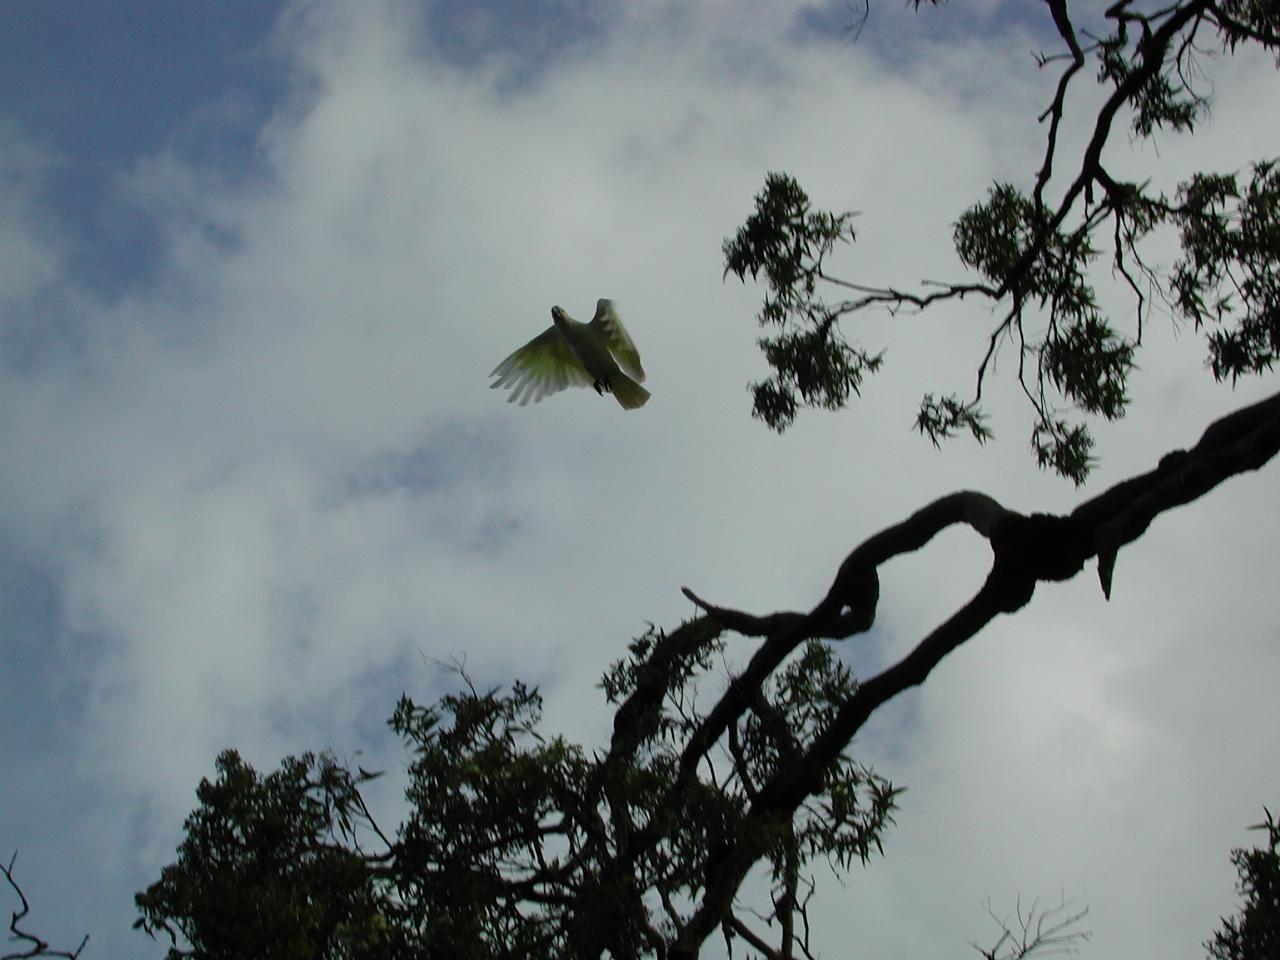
(603, 386)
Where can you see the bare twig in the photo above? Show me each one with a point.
(39, 947)
(1041, 932)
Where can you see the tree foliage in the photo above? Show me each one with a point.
(272, 867)
(1037, 261)
(1255, 933)
(514, 842)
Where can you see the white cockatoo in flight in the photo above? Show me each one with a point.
(598, 354)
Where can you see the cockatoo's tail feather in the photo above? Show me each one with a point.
(629, 393)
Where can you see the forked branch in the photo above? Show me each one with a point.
(37, 947)
(1026, 550)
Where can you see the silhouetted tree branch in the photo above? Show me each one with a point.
(38, 947)
(1026, 550)
(1036, 258)
(1040, 932)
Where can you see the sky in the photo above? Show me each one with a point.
(258, 262)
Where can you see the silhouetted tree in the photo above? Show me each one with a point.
(1255, 933)
(1035, 258)
(518, 843)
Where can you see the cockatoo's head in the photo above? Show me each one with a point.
(557, 313)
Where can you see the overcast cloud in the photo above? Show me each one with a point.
(253, 480)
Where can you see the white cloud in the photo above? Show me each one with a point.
(271, 482)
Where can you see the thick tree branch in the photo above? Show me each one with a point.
(1238, 443)
(1026, 550)
(739, 928)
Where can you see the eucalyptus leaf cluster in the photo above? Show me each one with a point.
(1255, 933)
(1039, 263)
(787, 240)
(515, 843)
(274, 867)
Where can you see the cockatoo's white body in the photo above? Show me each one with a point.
(598, 354)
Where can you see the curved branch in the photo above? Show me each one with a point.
(1056, 109)
(1026, 550)
(38, 948)
(1238, 443)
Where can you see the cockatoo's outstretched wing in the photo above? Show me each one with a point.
(543, 366)
(607, 324)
